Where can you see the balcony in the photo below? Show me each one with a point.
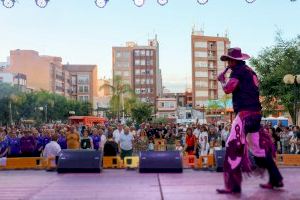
(211, 57)
(212, 78)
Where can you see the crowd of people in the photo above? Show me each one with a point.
(194, 139)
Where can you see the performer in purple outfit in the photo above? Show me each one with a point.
(246, 131)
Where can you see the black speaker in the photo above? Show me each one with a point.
(71, 160)
(160, 162)
(219, 158)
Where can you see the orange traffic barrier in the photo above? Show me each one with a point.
(189, 161)
(131, 162)
(112, 162)
(205, 161)
(291, 159)
(24, 163)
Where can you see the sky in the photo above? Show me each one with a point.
(81, 33)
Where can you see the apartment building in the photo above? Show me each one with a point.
(206, 64)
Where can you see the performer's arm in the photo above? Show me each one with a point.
(230, 85)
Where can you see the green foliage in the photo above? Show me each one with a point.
(28, 105)
(141, 112)
(121, 92)
(272, 64)
(160, 120)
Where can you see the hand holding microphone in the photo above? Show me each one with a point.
(221, 76)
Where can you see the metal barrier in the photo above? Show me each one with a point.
(189, 161)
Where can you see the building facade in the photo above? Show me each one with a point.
(42, 72)
(15, 79)
(206, 64)
(139, 67)
(84, 83)
(166, 107)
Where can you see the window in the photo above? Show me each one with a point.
(137, 91)
(118, 54)
(201, 84)
(137, 52)
(83, 79)
(151, 53)
(118, 73)
(201, 74)
(137, 72)
(83, 89)
(137, 81)
(200, 44)
(137, 62)
(147, 53)
(73, 80)
(126, 73)
(200, 54)
(149, 62)
(201, 64)
(220, 45)
(143, 62)
(142, 52)
(83, 98)
(201, 93)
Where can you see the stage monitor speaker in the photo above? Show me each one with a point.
(160, 162)
(219, 158)
(71, 160)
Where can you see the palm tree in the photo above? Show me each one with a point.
(119, 89)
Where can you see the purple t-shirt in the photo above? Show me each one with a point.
(96, 141)
(27, 144)
(62, 141)
(246, 96)
(39, 142)
(14, 146)
(46, 140)
(3, 147)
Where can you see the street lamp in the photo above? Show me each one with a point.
(101, 3)
(162, 2)
(139, 3)
(202, 2)
(290, 79)
(8, 3)
(42, 3)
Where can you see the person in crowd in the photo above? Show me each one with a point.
(125, 143)
(244, 86)
(103, 138)
(118, 132)
(73, 139)
(14, 149)
(132, 131)
(110, 146)
(86, 142)
(96, 138)
(284, 139)
(170, 138)
(47, 137)
(178, 146)
(151, 144)
(62, 139)
(3, 146)
(52, 149)
(224, 135)
(140, 142)
(190, 142)
(39, 139)
(294, 141)
(203, 141)
(27, 144)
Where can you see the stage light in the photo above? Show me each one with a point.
(202, 2)
(42, 3)
(8, 3)
(101, 3)
(250, 1)
(139, 3)
(162, 2)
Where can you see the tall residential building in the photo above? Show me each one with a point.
(139, 67)
(206, 64)
(84, 82)
(42, 72)
(15, 79)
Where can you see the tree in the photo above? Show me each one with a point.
(119, 90)
(271, 65)
(141, 112)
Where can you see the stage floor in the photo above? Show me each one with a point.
(125, 184)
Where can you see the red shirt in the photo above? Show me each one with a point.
(190, 140)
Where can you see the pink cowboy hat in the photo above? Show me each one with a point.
(235, 54)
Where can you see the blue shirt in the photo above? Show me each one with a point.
(96, 141)
(46, 140)
(14, 146)
(62, 141)
(3, 147)
(246, 96)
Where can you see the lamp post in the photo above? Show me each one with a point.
(290, 79)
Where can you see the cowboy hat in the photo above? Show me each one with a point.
(234, 54)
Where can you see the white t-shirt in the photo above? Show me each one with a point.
(126, 141)
(197, 132)
(116, 135)
(102, 142)
(52, 149)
